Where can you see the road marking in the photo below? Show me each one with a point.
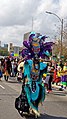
(2, 87)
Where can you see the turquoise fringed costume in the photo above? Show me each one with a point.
(39, 95)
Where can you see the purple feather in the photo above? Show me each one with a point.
(26, 44)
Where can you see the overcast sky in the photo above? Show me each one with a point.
(16, 18)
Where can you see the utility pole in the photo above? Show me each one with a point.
(61, 49)
(61, 39)
(32, 23)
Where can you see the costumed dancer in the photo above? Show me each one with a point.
(36, 49)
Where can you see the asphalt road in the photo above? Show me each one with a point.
(54, 106)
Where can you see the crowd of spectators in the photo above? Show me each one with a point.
(56, 72)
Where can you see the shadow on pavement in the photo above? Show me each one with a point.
(43, 116)
(13, 81)
(60, 93)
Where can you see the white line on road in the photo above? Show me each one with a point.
(2, 87)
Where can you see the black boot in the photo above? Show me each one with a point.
(5, 77)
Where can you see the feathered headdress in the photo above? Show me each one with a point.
(36, 46)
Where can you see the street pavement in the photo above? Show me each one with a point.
(54, 106)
